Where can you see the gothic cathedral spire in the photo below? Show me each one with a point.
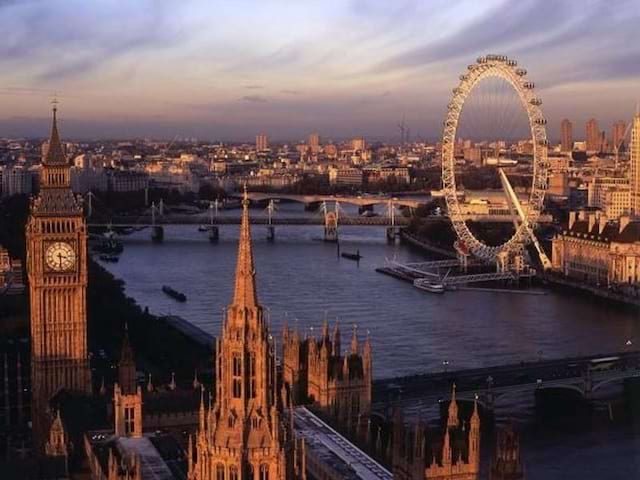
(245, 284)
(242, 435)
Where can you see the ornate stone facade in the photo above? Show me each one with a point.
(506, 464)
(57, 265)
(417, 455)
(596, 250)
(243, 435)
(127, 412)
(315, 370)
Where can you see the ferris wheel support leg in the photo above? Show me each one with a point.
(513, 199)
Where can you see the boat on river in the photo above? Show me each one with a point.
(179, 296)
(352, 256)
(109, 244)
(428, 285)
(109, 258)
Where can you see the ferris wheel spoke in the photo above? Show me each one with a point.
(502, 75)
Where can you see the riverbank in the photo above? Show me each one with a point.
(558, 282)
(160, 346)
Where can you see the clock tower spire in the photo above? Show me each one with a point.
(56, 235)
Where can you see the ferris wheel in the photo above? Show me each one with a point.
(525, 217)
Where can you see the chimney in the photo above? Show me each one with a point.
(602, 222)
(623, 222)
(592, 221)
(572, 219)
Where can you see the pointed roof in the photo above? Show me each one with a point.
(245, 284)
(55, 154)
(126, 353)
(56, 425)
(354, 340)
(452, 420)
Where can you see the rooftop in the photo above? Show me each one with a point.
(159, 454)
(335, 450)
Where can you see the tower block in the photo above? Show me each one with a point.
(56, 235)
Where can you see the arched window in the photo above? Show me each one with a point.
(233, 473)
(251, 370)
(264, 472)
(237, 376)
(219, 471)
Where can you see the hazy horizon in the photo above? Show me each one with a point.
(342, 68)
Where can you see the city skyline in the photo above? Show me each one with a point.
(340, 68)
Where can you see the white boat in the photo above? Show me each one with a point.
(203, 228)
(428, 285)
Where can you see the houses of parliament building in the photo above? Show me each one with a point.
(261, 419)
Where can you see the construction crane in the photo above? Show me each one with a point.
(171, 144)
(616, 146)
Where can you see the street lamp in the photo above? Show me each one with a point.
(445, 365)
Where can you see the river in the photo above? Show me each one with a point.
(301, 278)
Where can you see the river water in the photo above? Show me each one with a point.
(301, 278)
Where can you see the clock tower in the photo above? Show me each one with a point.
(56, 236)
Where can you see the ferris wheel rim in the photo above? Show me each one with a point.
(502, 67)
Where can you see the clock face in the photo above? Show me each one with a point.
(60, 257)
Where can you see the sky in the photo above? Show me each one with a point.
(229, 69)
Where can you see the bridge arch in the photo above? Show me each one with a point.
(618, 378)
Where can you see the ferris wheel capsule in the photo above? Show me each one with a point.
(529, 85)
(521, 72)
(536, 101)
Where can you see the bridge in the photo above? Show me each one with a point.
(145, 221)
(359, 200)
(582, 375)
(157, 216)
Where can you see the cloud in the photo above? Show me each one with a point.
(254, 99)
(290, 92)
(498, 28)
(254, 87)
(24, 91)
(67, 39)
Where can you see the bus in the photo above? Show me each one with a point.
(604, 363)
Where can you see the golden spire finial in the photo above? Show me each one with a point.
(55, 102)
